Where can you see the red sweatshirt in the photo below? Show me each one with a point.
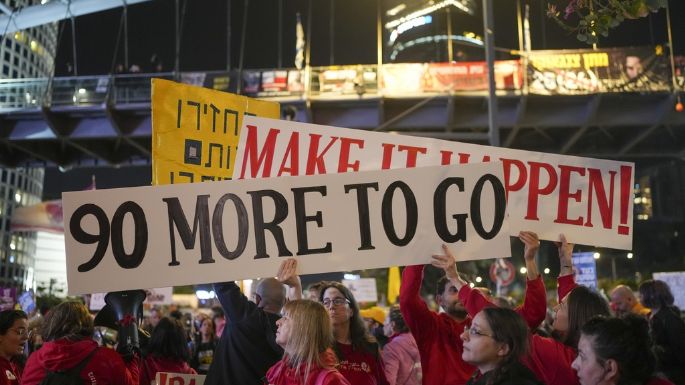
(550, 359)
(534, 306)
(104, 368)
(152, 364)
(441, 333)
(437, 335)
(282, 374)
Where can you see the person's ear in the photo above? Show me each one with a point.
(611, 371)
(257, 299)
(503, 350)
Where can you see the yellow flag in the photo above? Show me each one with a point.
(195, 131)
(393, 284)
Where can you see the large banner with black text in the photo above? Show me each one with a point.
(170, 235)
(589, 200)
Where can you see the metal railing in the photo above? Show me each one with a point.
(327, 82)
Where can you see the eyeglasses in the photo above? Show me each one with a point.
(22, 332)
(475, 332)
(335, 302)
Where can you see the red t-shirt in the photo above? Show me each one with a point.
(360, 367)
(9, 372)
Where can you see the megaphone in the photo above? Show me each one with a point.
(122, 312)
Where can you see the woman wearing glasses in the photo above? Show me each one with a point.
(357, 350)
(14, 326)
(495, 343)
(305, 334)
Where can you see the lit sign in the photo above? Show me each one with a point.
(407, 25)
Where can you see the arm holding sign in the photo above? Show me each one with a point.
(534, 305)
(436, 335)
(566, 281)
(234, 303)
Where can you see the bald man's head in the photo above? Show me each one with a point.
(271, 295)
(622, 299)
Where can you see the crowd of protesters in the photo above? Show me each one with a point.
(278, 338)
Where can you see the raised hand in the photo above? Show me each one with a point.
(565, 255)
(287, 275)
(531, 242)
(531, 246)
(448, 263)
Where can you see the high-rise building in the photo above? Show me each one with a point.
(28, 53)
(18, 187)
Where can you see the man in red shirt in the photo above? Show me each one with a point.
(438, 334)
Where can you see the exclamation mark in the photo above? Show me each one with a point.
(626, 194)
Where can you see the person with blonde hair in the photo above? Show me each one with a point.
(306, 336)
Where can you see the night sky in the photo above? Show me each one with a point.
(204, 29)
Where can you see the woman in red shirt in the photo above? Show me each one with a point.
(166, 352)
(13, 336)
(305, 334)
(357, 350)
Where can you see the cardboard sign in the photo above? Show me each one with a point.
(185, 234)
(195, 131)
(589, 200)
(166, 378)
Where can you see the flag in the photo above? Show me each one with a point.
(393, 284)
(44, 216)
(299, 43)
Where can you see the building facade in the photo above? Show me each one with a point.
(23, 54)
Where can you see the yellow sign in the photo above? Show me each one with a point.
(195, 131)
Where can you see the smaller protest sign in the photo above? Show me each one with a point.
(363, 289)
(585, 269)
(166, 378)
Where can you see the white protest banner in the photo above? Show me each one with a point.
(184, 234)
(166, 378)
(363, 289)
(589, 200)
